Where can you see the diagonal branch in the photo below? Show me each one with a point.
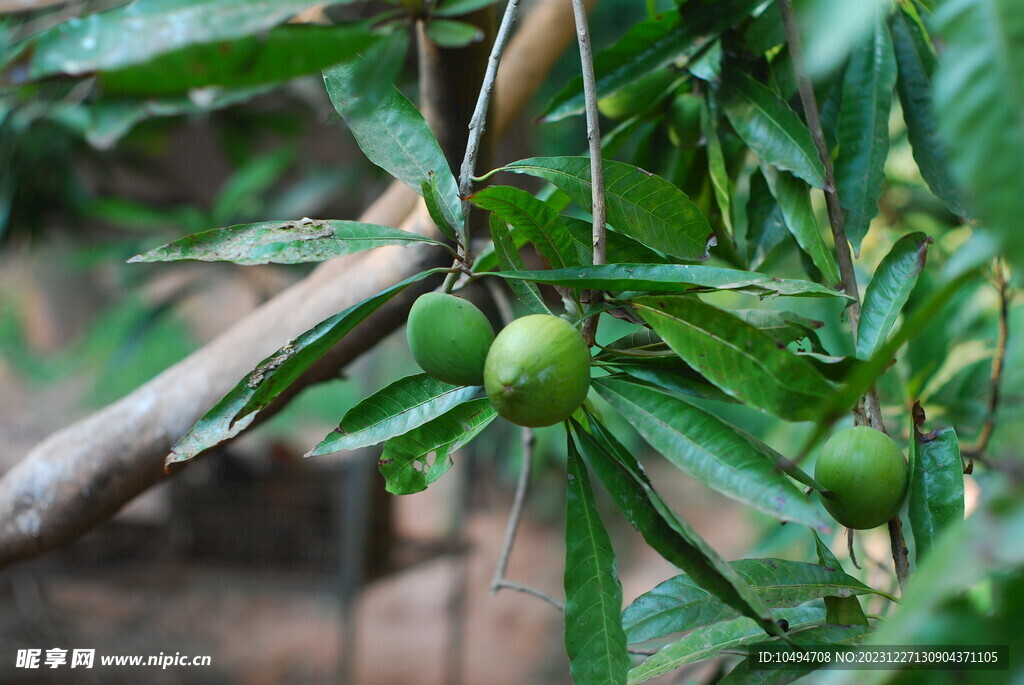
(83, 474)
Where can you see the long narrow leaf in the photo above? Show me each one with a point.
(537, 220)
(594, 639)
(936, 487)
(888, 291)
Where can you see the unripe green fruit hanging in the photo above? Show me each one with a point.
(867, 472)
(537, 371)
(449, 338)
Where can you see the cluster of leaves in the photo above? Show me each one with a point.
(714, 204)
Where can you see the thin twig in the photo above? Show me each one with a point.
(868, 410)
(596, 163)
(977, 449)
(498, 581)
(849, 547)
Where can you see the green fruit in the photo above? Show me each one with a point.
(538, 371)
(866, 471)
(449, 338)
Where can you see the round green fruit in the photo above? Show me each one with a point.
(538, 371)
(867, 473)
(449, 338)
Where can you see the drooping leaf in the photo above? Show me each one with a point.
(406, 463)
(864, 129)
(794, 200)
(139, 31)
(237, 410)
(453, 34)
(432, 199)
(282, 54)
(393, 135)
(709, 641)
(662, 528)
(717, 170)
(888, 291)
(769, 127)
(594, 639)
(649, 45)
(936, 487)
(535, 219)
(679, 604)
(508, 258)
(709, 450)
(282, 242)
(673, 278)
(738, 358)
(979, 102)
(394, 410)
(916, 61)
(766, 226)
(641, 205)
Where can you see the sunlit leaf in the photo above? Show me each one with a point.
(888, 291)
(936, 487)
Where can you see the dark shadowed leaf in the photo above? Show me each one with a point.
(394, 410)
(282, 242)
(453, 34)
(709, 641)
(680, 604)
(509, 258)
(717, 170)
(710, 450)
(794, 200)
(738, 358)
(838, 610)
(767, 124)
(864, 129)
(936, 487)
(619, 248)
(640, 204)
(979, 102)
(432, 199)
(237, 410)
(139, 31)
(594, 639)
(744, 673)
(393, 134)
(673, 278)
(534, 219)
(406, 463)
(888, 291)
(662, 528)
(915, 61)
(766, 226)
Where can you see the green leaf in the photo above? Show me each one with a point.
(888, 291)
(432, 199)
(710, 450)
(717, 169)
(662, 528)
(709, 641)
(455, 8)
(680, 604)
(640, 204)
(766, 226)
(979, 101)
(139, 31)
(453, 34)
(744, 673)
(282, 54)
(508, 258)
(394, 410)
(237, 410)
(673, 278)
(533, 218)
(406, 464)
(785, 327)
(794, 200)
(864, 129)
(394, 136)
(594, 639)
(838, 610)
(915, 61)
(618, 248)
(282, 242)
(769, 127)
(681, 380)
(936, 487)
(738, 358)
(649, 45)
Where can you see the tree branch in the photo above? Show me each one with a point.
(83, 474)
(596, 161)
